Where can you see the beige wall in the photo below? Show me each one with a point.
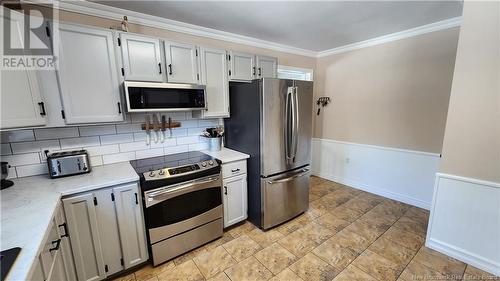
(472, 138)
(395, 94)
(283, 58)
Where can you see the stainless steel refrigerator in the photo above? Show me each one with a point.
(271, 121)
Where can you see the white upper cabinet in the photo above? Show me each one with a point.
(267, 67)
(88, 75)
(241, 66)
(141, 58)
(214, 75)
(21, 102)
(182, 63)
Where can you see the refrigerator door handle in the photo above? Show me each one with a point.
(288, 126)
(295, 119)
(300, 173)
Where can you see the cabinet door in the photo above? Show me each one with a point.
(131, 224)
(21, 104)
(88, 75)
(65, 247)
(214, 76)
(182, 63)
(84, 235)
(235, 199)
(267, 67)
(57, 273)
(242, 66)
(108, 231)
(141, 58)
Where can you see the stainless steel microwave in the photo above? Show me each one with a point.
(151, 96)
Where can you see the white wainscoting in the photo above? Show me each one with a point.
(465, 221)
(399, 174)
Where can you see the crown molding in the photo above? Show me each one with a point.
(108, 12)
(104, 11)
(435, 26)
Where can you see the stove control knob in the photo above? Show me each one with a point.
(203, 164)
(161, 173)
(151, 173)
(211, 162)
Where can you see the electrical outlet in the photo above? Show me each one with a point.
(43, 154)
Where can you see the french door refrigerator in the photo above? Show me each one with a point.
(271, 121)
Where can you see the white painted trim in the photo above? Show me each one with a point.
(376, 190)
(440, 25)
(453, 251)
(104, 11)
(466, 179)
(382, 147)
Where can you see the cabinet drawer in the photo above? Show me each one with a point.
(234, 168)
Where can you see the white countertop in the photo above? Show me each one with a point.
(28, 207)
(227, 155)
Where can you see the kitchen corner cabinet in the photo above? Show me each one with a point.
(88, 75)
(22, 104)
(106, 231)
(182, 62)
(214, 75)
(266, 67)
(241, 66)
(142, 59)
(234, 192)
(54, 263)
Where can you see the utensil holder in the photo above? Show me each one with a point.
(214, 144)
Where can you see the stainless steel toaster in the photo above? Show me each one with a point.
(68, 163)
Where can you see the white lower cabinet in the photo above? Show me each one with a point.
(106, 230)
(54, 263)
(234, 192)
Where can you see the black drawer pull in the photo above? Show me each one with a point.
(235, 170)
(65, 230)
(56, 247)
(225, 190)
(42, 108)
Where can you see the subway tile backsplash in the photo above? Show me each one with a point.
(106, 144)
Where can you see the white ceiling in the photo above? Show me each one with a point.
(310, 25)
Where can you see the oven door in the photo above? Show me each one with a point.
(154, 97)
(178, 208)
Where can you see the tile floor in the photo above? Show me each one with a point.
(346, 235)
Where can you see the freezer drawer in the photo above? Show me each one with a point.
(284, 196)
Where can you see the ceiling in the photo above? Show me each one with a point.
(310, 25)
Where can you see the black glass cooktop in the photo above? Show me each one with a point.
(169, 161)
(7, 259)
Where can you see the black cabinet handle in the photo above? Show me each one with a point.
(159, 66)
(136, 200)
(253, 71)
(235, 170)
(170, 69)
(225, 190)
(119, 108)
(260, 71)
(56, 247)
(42, 108)
(65, 230)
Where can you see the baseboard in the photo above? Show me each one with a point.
(399, 174)
(464, 256)
(377, 190)
(465, 221)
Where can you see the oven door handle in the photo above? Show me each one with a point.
(170, 192)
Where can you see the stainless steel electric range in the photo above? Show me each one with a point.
(182, 200)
